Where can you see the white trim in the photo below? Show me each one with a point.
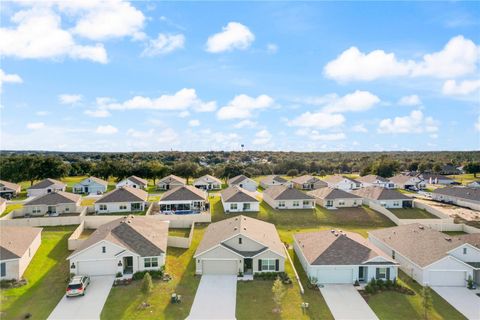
(103, 240)
(216, 246)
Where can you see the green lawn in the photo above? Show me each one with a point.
(413, 213)
(392, 305)
(47, 277)
(184, 232)
(10, 208)
(87, 202)
(465, 178)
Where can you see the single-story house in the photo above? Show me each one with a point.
(431, 257)
(134, 182)
(236, 199)
(46, 186)
(240, 245)
(432, 178)
(342, 182)
(3, 205)
(183, 200)
(335, 198)
(208, 182)
(387, 198)
(403, 181)
(17, 248)
(281, 197)
(125, 199)
(337, 257)
(474, 184)
(91, 185)
(9, 190)
(372, 180)
(244, 182)
(450, 170)
(125, 245)
(308, 182)
(54, 203)
(460, 196)
(170, 182)
(274, 180)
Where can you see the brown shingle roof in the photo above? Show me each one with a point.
(257, 230)
(97, 180)
(137, 180)
(379, 193)
(14, 241)
(142, 235)
(337, 178)
(285, 193)
(331, 193)
(184, 193)
(305, 179)
(208, 178)
(124, 194)
(54, 198)
(270, 179)
(238, 179)
(46, 183)
(172, 178)
(237, 194)
(400, 178)
(421, 244)
(371, 178)
(460, 192)
(10, 185)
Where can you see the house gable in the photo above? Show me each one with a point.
(94, 252)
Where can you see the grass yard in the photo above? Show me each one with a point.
(465, 178)
(393, 305)
(88, 202)
(412, 213)
(47, 277)
(184, 232)
(10, 208)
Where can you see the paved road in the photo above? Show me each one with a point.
(464, 300)
(346, 303)
(87, 307)
(216, 298)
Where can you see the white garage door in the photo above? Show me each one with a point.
(447, 278)
(97, 268)
(219, 267)
(331, 275)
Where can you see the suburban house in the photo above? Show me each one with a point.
(240, 245)
(335, 198)
(281, 197)
(308, 182)
(45, 186)
(54, 204)
(183, 200)
(407, 182)
(387, 198)
(170, 182)
(17, 248)
(208, 182)
(3, 205)
(460, 196)
(432, 178)
(337, 257)
(134, 182)
(274, 180)
(9, 190)
(342, 182)
(474, 184)
(125, 199)
(91, 185)
(450, 170)
(375, 181)
(236, 199)
(125, 245)
(244, 182)
(431, 257)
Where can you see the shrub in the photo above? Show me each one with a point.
(118, 275)
(356, 284)
(155, 274)
(147, 284)
(388, 283)
(380, 283)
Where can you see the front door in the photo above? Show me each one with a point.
(86, 189)
(362, 273)
(127, 265)
(52, 209)
(247, 266)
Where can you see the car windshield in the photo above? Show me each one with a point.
(75, 286)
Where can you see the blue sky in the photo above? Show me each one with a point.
(148, 76)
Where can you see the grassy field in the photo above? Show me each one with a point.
(413, 213)
(47, 277)
(11, 207)
(465, 178)
(397, 306)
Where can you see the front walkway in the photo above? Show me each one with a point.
(216, 298)
(346, 303)
(464, 300)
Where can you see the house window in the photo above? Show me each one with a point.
(296, 203)
(281, 204)
(151, 262)
(123, 207)
(3, 269)
(341, 203)
(464, 250)
(246, 206)
(396, 203)
(136, 206)
(306, 203)
(233, 206)
(329, 203)
(36, 210)
(103, 207)
(393, 254)
(104, 249)
(239, 240)
(268, 265)
(67, 209)
(381, 273)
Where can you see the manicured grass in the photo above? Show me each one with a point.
(10, 208)
(21, 196)
(465, 178)
(393, 305)
(46, 275)
(413, 213)
(154, 198)
(184, 232)
(87, 202)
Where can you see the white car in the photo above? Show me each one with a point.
(77, 286)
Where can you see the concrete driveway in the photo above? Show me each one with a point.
(87, 307)
(464, 300)
(345, 302)
(216, 298)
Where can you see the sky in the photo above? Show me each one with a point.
(200, 76)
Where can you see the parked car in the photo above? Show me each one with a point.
(77, 286)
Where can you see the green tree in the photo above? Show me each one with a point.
(292, 172)
(472, 167)
(279, 292)
(437, 168)
(157, 170)
(147, 284)
(186, 169)
(426, 301)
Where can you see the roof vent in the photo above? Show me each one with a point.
(448, 239)
(235, 228)
(421, 227)
(332, 231)
(244, 228)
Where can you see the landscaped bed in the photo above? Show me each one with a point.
(412, 213)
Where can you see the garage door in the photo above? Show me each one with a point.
(219, 267)
(335, 276)
(97, 268)
(447, 278)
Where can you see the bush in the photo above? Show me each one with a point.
(118, 275)
(147, 284)
(380, 283)
(356, 284)
(270, 275)
(155, 274)
(388, 284)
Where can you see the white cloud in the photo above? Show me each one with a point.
(355, 102)
(42, 113)
(108, 129)
(98, 113)
(245, 124)
(194, 123)
(35, 125)
(8, 78)
(167, 136)
(412, 100)
(315, 135)
(359, 128)
(140, 134)
(465, 87)
(477, 124)
(415, 122)
(319, 120)
(262, 137)
(184, 114)
(459, 57)
(69, 98)
(272, 48)
(234, 36)
(163, 44)
(242, 106)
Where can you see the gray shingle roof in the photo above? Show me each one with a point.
(286, 193)
(305, 179)
(137, 180)
(124, 194)
(10, 185)
(400, 178)
(237, 194)
(331, 193)
(371, 178)
(207, 178)
(268, 180)
(184, 193)
(460, 192)
(46, 183)
(97, 180)
(54, 198)
(15, 241)
(337, 178)
(172, 179)
(238, 179)
(379, 193)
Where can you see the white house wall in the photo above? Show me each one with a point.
(247, 244)
(247, 184)
(254, 207)
(115, 207)
(447, 264)
(472, 254)
(288, 203)
(41, 192)
(11, 269)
